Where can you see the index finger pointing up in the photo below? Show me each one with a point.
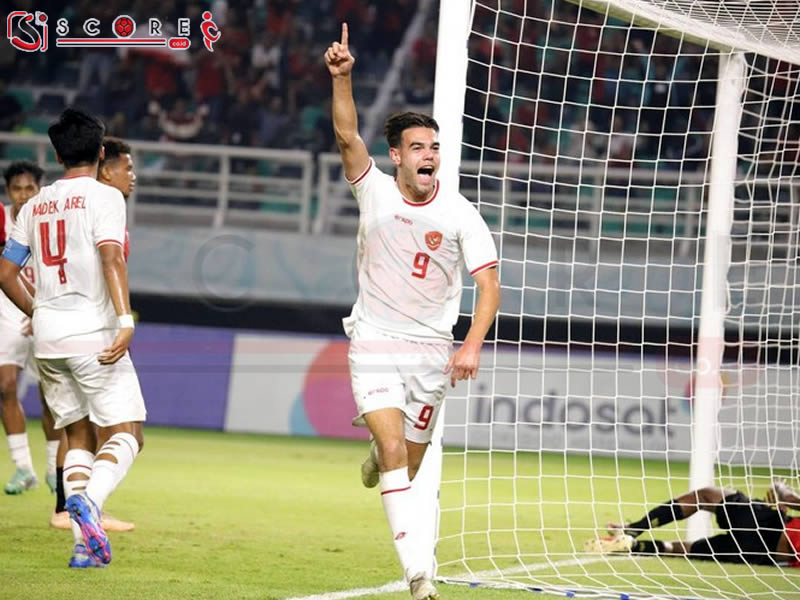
(344, 35)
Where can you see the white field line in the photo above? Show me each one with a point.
(395, 586)
(402, 586)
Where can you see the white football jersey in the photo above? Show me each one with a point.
(410, 257)
(63, 225)
(10, 316)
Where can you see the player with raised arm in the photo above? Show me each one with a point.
(115, 169)
(414, 239)
(23, 179)
(758, 532)
(74, 233)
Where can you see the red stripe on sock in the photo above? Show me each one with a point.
(128, 444)
(405, 489)
(76, 466)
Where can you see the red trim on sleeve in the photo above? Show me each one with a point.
(405, 489)
(360, 177)
(117, 242)
(2, 225)
(483, 267)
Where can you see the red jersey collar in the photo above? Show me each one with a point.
(428, 201)
(74, 177)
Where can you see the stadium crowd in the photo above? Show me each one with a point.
(264, 85)
(583, 89)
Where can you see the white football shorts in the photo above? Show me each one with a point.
(15, 348)
(79, 386)
(391, 372)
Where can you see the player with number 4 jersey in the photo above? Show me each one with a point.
(74, 232)
(116, 170)
(415, 237)
(63, 226)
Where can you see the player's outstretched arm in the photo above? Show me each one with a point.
(466, 360)
(339, 61)
(115, 272)
(10, 284)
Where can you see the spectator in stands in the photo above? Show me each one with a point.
(280, 18)
(656, 95)
(123, 89)
(299, 70)
(8, 59)
(392, 25)
(267, 56)
(96, 69)
(419, 90)
(213, 77)
(272, 124)
(237, 38)
(11, 111)
(161, 78)
(574, 142)
(634, 70)
(620, 145)
(243, 119)
(698, 141)
(179, 124)
(596, 142)
(423, 51)
(117, 126)
(147, 128)
(261, 43)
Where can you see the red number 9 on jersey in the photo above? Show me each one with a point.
(421, 261)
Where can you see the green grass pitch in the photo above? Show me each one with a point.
(246, 516)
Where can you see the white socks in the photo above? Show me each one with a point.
(52, 452)
(98, 478)
(77, 463)
(20, 451)
(106, 475)
(398, 503)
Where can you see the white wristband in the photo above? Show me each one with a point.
(126, 322)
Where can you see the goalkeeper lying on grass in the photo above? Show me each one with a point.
(758, 532)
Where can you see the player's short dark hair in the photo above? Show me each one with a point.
(21, 167)
(114, 148)
(399, 122)
(77, 137)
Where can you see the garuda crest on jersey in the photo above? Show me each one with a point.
(433, 239)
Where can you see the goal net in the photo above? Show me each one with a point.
(638, 163)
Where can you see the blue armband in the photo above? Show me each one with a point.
(16, 252)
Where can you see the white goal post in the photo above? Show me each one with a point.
(647, 217)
